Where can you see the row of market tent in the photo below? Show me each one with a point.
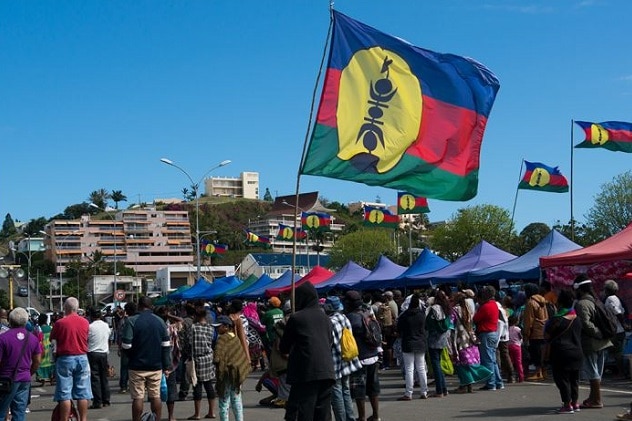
(483, 263)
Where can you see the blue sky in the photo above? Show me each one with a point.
(93, 94)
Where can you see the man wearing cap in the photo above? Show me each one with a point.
(307, 340)
(593, 343)
(341, 402)
(269, 319)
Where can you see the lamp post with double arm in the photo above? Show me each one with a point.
(114, 283)
(196, 191)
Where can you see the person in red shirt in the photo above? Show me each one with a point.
(486, 321)
(69, 339)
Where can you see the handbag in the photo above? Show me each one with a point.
(190, 372)
(446, 362)
(6, 383)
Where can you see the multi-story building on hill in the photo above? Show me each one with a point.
(245, 186)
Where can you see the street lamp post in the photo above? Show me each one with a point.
(196, 190)
(114, 285)
(57, 266)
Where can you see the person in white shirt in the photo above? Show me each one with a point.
(615, 307)
(98, 349)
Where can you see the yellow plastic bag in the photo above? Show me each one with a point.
(348, 345)
(446, 363)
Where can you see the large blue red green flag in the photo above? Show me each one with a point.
(257, 240)
(399, 116)
(213, 249)
(380, 217)
(611, 135)
(409, 203)
(286, 233)
(538, 176)
(315, 221)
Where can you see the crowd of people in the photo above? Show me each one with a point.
(486, 337)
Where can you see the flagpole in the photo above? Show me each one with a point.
(571, 185)
(304, 152)
(513, 212)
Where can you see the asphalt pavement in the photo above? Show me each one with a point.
(519, 401)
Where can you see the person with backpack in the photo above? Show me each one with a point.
(438, 326)
(341, 402)
(387, 316)
(594, 344)
(364, 382)
(534, 318)
(617, 310)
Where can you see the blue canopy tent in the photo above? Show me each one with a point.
(281, 281)
(526, 266)
(481, 256)
(248, 282)
(263, 282)
(348, 275)
(214, 290)
(426, 262)
(385, 270)
(199, 286)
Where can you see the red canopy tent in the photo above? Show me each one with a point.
(315, 276)
(608, 259)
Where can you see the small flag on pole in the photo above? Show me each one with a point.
(409, 203)
(380, 217)
(611, 135)
(541, 177)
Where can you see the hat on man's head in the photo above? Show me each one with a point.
(353, 300)
(274, 302)
(333, 304)
(388, 294)
(223, 320)
(469, 293)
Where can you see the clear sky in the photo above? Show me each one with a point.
(94, 93)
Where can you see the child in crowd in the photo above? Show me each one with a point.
(515, 347)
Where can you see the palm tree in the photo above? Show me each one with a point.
(99, 197)
(117, 196)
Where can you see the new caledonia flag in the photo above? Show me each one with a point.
(409, 203)
(541, 177)
(611, 135)
(399, 116)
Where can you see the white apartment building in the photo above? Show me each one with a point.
(245, 186)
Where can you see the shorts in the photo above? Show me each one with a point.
(139, 380)
(592, 367)
(73, 378)
(365, 382)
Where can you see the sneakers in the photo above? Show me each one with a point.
(405, 398)
(625, 416)
(566, 410)
(576, 406)
(487, 388)
(278, 403)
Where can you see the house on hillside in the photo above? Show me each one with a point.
(276, 264)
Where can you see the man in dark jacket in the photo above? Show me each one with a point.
(308, 339)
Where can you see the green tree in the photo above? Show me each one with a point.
(34, 226)
(99, 197)
(267, 196)
(364, 247)
(582, 234)
(8, 227)
(529, 237)
(468, 227)
(117, 196)
(612, 210)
